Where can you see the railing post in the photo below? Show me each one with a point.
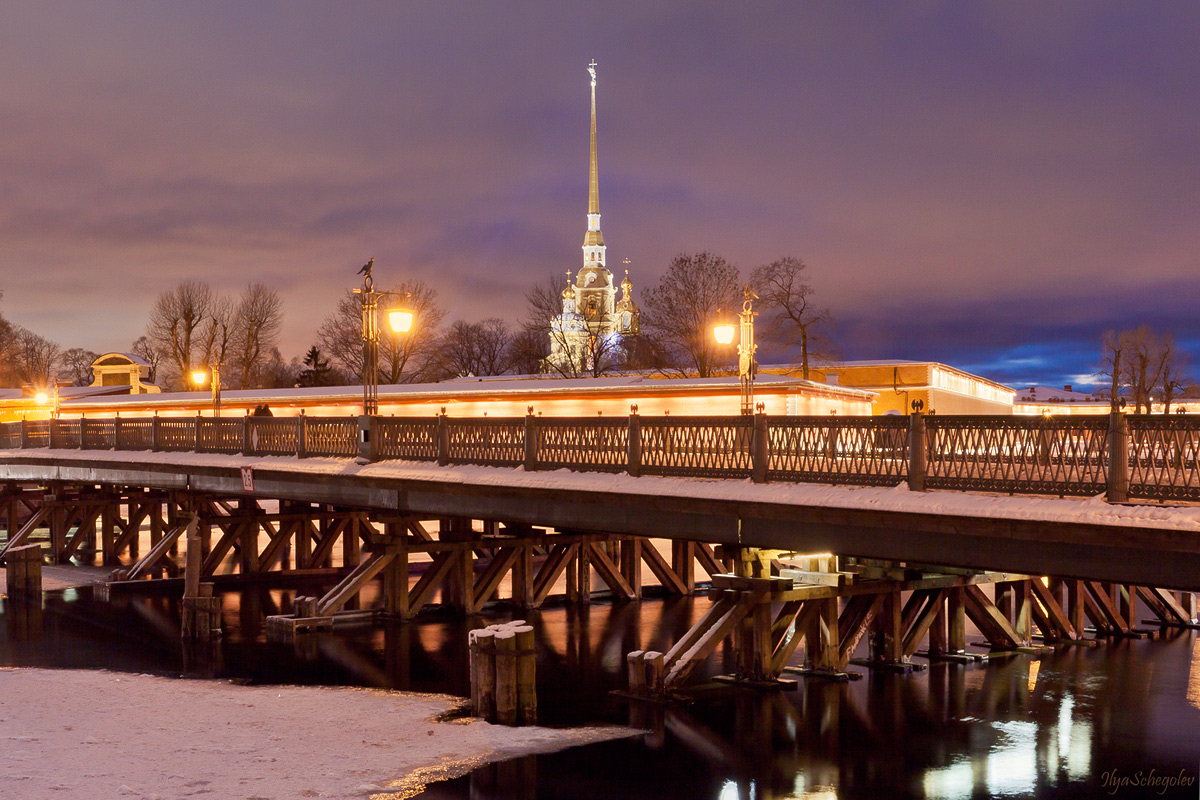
(155, 434)
(917, 446)
(368, 448)
(82, 424)
(443, 439)
(196, 433)
(117, 432)
(301, 435)
(634, 466)
(247, 448)
(760, 448)
(24, 433)
(1118, 458)
(531, 441)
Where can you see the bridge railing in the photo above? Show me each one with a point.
(1143, 457)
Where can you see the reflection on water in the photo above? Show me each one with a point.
(1069, 722)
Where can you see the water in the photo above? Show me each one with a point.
(1072, 722)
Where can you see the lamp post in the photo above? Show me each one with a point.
(49, 398)
(746, 347)
(200, 376)
(400, 320)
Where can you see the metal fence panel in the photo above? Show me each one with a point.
(218, 435)
(411, 438)
(1164, 457)
(134, 434)
(705, 447)
(1040, 455)
(64, 433)
(176, 434)
(273, 436)
(871, 451)
(594, 444)
(98, 434)
(10, 435)
(331, 436)
(493, 442)
(37, 433)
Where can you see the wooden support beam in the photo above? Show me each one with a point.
(1164, 605)
(31, 524)
(430, 581)
(1049, 615)
(860, 612)
(352, 584)
(560, 557)
(489, 581)
(159, 551)
(932, 602)
(798, 617)
(607, 570)
(1100, 595)
(732, 613)
(708, 560)
(683, 565)
(277, 545)
(987, 617)
(666, 573)
(631, 563)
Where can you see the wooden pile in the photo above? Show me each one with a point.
(24, 575)
(503, 673)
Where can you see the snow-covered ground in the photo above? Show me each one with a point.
(80, 735)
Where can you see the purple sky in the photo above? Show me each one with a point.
(986, 184)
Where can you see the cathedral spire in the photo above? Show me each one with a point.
(594, 238)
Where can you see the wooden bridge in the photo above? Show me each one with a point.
(534, 502)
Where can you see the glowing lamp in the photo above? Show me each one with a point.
(199, 377)
(41, 398)
(724, 332)
(401, 320)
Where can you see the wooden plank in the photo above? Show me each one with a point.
(1171, 611)
(708, 560)
(277, 544)
(39, 516)
(855, 626)
(157, 552)
(693, 634)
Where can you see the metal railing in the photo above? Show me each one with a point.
(1143, 457)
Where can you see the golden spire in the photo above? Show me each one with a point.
(594, 236)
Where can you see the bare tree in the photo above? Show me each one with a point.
(37, 358)
(8, 351)
(793, 319)
(1174, 378)
(1148, 352)
(185, 328)
(680, 311)
(527, 350)
(1115, 346)
(142, 348)
(257, 322)
(403, 357)
(78, 364)
(474, 348)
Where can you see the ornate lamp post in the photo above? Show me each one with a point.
(746, 347)
(50, 398)
(200, 376)
(400, 320)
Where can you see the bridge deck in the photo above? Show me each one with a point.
(1139, 543)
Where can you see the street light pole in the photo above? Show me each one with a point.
(400, 320)
(747, 367)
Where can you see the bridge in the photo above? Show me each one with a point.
(747, 499)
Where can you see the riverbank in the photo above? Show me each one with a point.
(82, 734)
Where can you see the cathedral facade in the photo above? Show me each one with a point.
(589, 335)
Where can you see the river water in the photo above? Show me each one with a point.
(1121, 719)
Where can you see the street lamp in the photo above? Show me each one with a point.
(50, 397)
(199, 376)
(399, 319)
(723, 332)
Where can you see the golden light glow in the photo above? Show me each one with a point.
(401, 320)
(723, 332)
(41, 398)
(199, 377)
